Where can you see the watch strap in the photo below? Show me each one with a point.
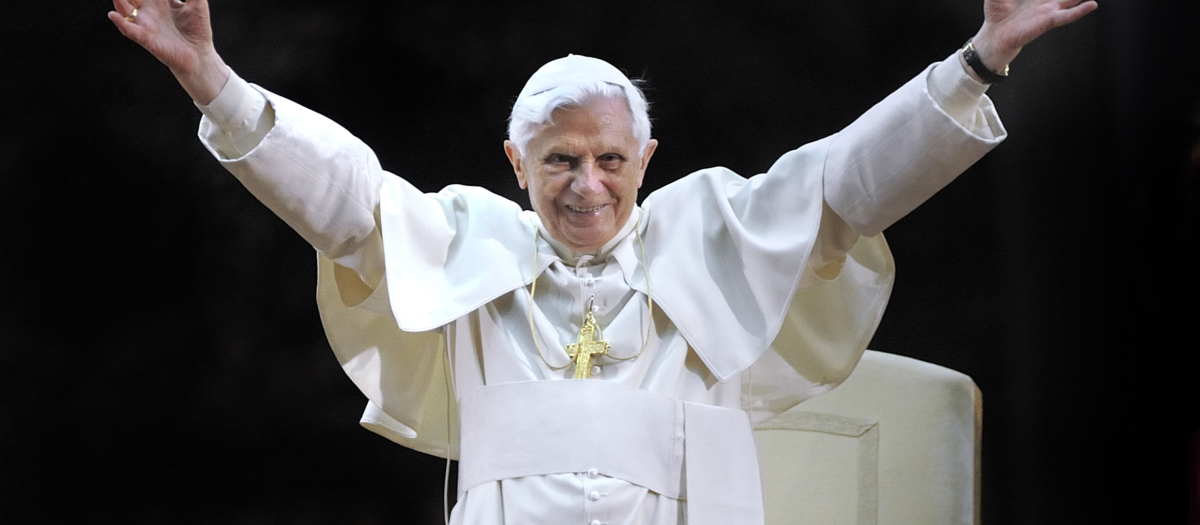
(973, 60)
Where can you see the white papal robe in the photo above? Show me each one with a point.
(765, 292)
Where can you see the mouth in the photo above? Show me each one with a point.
(585, 210)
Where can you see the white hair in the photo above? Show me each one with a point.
(533, 113)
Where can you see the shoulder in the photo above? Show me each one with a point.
(705, 182)
(796, 172)
(481, 198)
(724, 183)
(456, 200)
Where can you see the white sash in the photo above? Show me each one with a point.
(699, 453)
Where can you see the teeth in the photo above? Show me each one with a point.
(583, 210)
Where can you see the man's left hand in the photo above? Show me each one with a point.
(1008, 25)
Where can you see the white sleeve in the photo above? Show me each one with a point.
(311, 172)
(909, 146)
(876, 170)
(898, 154)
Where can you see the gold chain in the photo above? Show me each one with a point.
(649, 301)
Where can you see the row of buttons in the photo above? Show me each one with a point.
(593, 473)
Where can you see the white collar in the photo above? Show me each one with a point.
(620, 248)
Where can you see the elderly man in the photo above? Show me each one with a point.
(593, 361)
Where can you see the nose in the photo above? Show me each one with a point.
(589, 179)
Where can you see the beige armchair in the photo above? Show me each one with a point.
(896, 444)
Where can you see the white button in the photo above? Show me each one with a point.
(592, 473)
(596, 522)
(595, 370)
(590, 282)
(594, 496)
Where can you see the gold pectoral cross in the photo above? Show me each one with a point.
(587, 346)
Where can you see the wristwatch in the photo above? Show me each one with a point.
(973, 60)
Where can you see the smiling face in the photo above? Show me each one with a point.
(583, 172)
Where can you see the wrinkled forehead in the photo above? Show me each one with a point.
(572, 69)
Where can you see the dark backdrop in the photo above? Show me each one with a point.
(161, 359)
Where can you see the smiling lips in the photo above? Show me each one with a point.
(580, 209)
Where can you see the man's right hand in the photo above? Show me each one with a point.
(179, 34)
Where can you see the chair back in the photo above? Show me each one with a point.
(898, 443)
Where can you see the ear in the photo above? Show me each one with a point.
(651, 145)
(514, 157)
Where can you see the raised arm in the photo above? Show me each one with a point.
(178, 34)
(315, 175)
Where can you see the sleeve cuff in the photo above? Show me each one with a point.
(954, 90)
(237, 107)
(237, 120)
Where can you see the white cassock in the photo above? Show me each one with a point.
(765, 292)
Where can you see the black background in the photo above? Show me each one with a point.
(161, 360)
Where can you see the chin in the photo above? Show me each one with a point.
(589, 247)
(586, 243)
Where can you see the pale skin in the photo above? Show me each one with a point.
(581, 174)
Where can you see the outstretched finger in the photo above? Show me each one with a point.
(123, 16)
(1072, 14)
(125, 25)
(124, 8)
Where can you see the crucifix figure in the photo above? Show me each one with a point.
(587, 346)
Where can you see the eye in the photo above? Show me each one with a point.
(610, 161)
(560, 161)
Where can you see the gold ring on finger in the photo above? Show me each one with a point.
(131, 15)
